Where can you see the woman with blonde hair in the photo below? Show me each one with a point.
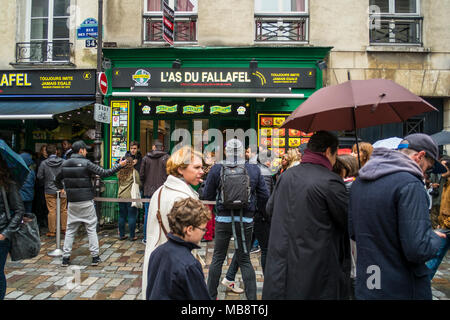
(365, 151)
(184, 168)
(127, 176)
(293, 158)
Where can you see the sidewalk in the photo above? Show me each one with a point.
(118, 276)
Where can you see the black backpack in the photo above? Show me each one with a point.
(235, 187)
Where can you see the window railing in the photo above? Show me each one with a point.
(281, 28)
(43, 52)
(185, 28)
(396, 29)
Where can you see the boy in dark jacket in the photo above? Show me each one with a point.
(173, 272)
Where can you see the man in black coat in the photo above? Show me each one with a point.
(76, 173)
(309, 248)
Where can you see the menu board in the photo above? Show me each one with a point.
(277, 139)
(119, 129)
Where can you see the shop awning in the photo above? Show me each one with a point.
(38, 109)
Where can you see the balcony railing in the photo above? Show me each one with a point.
(43, 52)
(185, 29)
(396, 30)
(281, 29)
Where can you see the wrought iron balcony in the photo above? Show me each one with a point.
(396, 30)
(43, 52)
(281, 29)
(185, 28)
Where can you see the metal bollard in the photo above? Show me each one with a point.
(57, 252)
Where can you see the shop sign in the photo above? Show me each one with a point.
(304, 78)
(48, 82)
(102, 113)
(147, 108)
(220, 109)
(168, 23)
(166, 109)
(193, 109)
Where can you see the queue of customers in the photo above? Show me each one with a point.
(327, 228)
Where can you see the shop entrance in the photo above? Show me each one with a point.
(163, 130)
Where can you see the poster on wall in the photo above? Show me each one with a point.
(119, 130)
(277, 139)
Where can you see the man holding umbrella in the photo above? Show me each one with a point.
(389, 220)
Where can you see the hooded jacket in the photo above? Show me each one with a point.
(389, 220)
(48, 170)
(153, 171)
(27, 190)
(174, 273)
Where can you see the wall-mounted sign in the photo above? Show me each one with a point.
(215, 78)
(119, 130)
(147, 108)
(102, 113)
(27, 82)
(88, 29)
(168, 23)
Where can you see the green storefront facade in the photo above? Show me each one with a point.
(153, 91)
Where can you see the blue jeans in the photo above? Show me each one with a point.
(4, 250)
(126, 210)
(146, 206)
(434, 263)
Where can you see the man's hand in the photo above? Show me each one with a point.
(123, 163)
(440, 234)
(2, 237)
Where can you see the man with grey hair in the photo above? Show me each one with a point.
(233, 221)
(389, 220)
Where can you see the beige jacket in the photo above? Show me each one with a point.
(124, 191)
(174, 189)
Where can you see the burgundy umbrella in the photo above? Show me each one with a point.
(356, 104)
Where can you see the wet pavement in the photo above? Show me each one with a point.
(118, 276)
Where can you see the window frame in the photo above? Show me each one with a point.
(281, 17)
(415, 17)
(180, 16)
(50, 30)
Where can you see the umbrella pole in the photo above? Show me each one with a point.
(356, 136)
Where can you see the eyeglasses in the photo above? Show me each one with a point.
(203, 229)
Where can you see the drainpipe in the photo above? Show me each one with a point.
(98, 99)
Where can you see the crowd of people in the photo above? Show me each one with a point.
(366, 225)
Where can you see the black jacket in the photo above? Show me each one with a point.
(309, 249)
(174, 273)
(16, 210)
(259, 193)
(76, 173)
(153, 172)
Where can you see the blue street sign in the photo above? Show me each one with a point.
(88, 29)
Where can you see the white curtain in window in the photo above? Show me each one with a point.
(298, 5)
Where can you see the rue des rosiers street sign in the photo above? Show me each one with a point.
(223, 78)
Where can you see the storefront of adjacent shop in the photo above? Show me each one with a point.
(154, 91)
(46, 106)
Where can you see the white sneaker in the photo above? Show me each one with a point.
(231, 285)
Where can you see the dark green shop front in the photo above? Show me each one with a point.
(154, 91)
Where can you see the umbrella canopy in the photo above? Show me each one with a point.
(15, 162)
(390, 143)
(356, 104)
(441, 138)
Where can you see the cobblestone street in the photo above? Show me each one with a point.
(118, 276)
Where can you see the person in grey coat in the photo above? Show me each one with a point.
(48, 170)
(389, 220)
